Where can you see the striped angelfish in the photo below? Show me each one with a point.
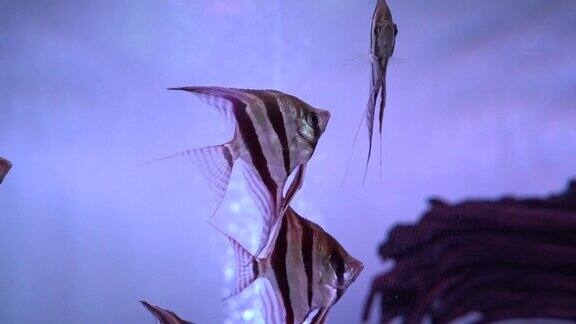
(275, 134)
(164, 316)
(307, 271)
(382, 42)
(5, 166)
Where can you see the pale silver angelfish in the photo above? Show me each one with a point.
(306, 270)
(382, 42)
(275, 134)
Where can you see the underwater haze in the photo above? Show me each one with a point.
(481, 103)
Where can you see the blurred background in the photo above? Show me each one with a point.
(481, 103)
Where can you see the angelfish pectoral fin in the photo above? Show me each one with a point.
(331, 282)
(326, 281)
(320, 315)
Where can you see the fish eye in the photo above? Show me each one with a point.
(312, 120)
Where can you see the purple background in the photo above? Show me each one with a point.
(482, 102)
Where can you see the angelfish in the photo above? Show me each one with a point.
(163, 316)
(275, 134)
(306, 269)
(5, 166)
(382, 42)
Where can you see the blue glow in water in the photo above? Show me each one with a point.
(86, 233)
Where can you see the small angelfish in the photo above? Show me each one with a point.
(382, 41)
(275, 134)
(307, 271)
(5, 166)
(164, 316)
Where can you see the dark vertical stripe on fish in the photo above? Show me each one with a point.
(277, 120)
(228, 156)
(280, 271)
(250, 139)
(307, 256)
(255, 268)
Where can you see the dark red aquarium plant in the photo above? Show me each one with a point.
(504, 259)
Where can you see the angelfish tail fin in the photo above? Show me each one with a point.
(246, 269)
(163, 316)
(215, 164)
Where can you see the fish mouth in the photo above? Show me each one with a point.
(325, 114)
(325, 118)
(357, 268)
(354, 270)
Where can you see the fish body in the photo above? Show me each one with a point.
(383, 37)
(307, 269)
(382, 43)
(5, 166)
(275, 134)
(164, 316)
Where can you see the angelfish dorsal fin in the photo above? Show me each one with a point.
(163, 316)
(216, 97)
(215, 164)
